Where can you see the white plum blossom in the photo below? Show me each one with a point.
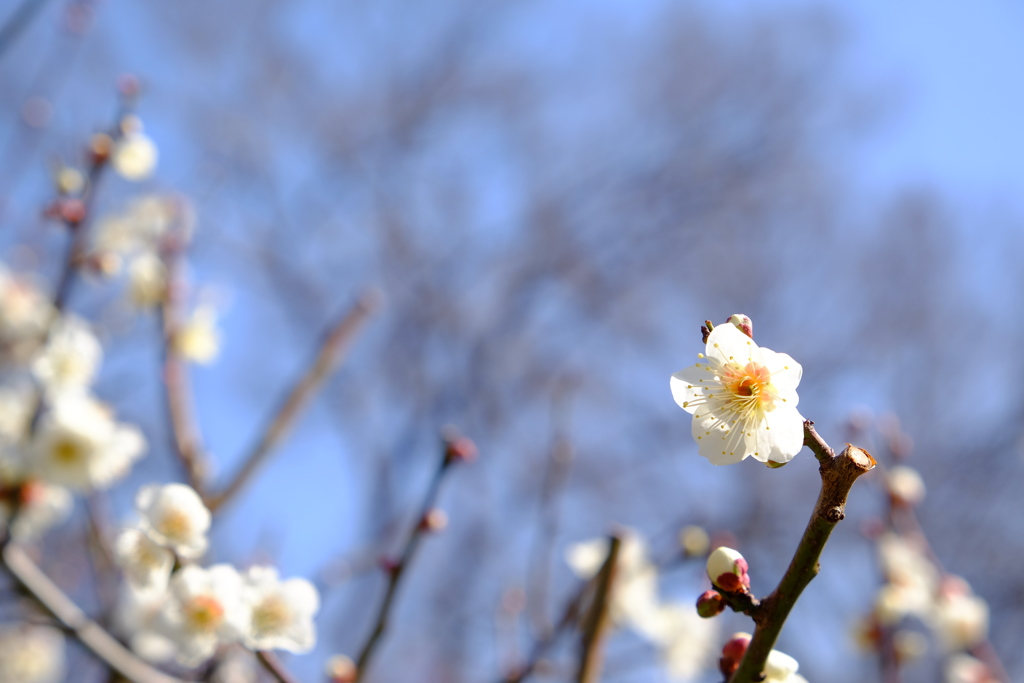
(25, 314)
(147, 280)
(79, 445)
(781, 668)
(31, 654)
(147, 564)
(137, 618)
(135, 156)
(634, 602)
(197, 339)
(743, 400)
(71, 357)
(174, 516)
(687, 642)
(959, 617)
(281, 612)
(684, 640)
(204, 609)
(140, 227)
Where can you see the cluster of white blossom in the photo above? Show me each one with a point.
(686, 642)
(55, 436)
(915, 589)
(172, 609)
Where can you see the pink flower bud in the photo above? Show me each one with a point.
(710, 604)
(732, 653)
(728, 570)
(434, 520)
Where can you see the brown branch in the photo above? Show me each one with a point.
(556, 472)
(177, 387)
(272, 663)
(598, 622)
(88, 632)
(332, 351)
(570, 615)
(453, 452)
(838, 473)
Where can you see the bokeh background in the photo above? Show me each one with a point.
(550, 197)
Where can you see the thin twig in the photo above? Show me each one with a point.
(177, 387)
(543, 645)
(272, 663)
(838, 473)
(598, 621)
(555, 475)
(332, 351)
(18, 22)
(397, 570)
(88, 632)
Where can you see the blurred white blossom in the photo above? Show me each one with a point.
(31, 654)
(147, 280)
(198, 339)
(39, 505)
(959, 617)
(147, 565)
(281, 612)
(78, 444)
(204, 609)
(174, 516)
(137, 618)
(71, 357)
(140, 227)
(135, 156)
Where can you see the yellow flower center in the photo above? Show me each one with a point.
(750, 387)
(175, 525)
(270, 616)
(66, 452)
(204, 613)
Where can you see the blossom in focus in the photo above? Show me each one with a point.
(175, 517)
(146, 564)
(79, 445)
(204, 609)
(71, 357)
(31, 654)
(743, 400)
(281, 612)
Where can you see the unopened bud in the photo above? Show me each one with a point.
(68, 209)
(458, 448)
(694, 540)
(775, 465)
(434, 520)
(387, 564)
(100, 147)
(728, 570)
(105, 263)
(743, 323)
(710, 604)
(128, 85)
(340, 669)
(732, 653)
